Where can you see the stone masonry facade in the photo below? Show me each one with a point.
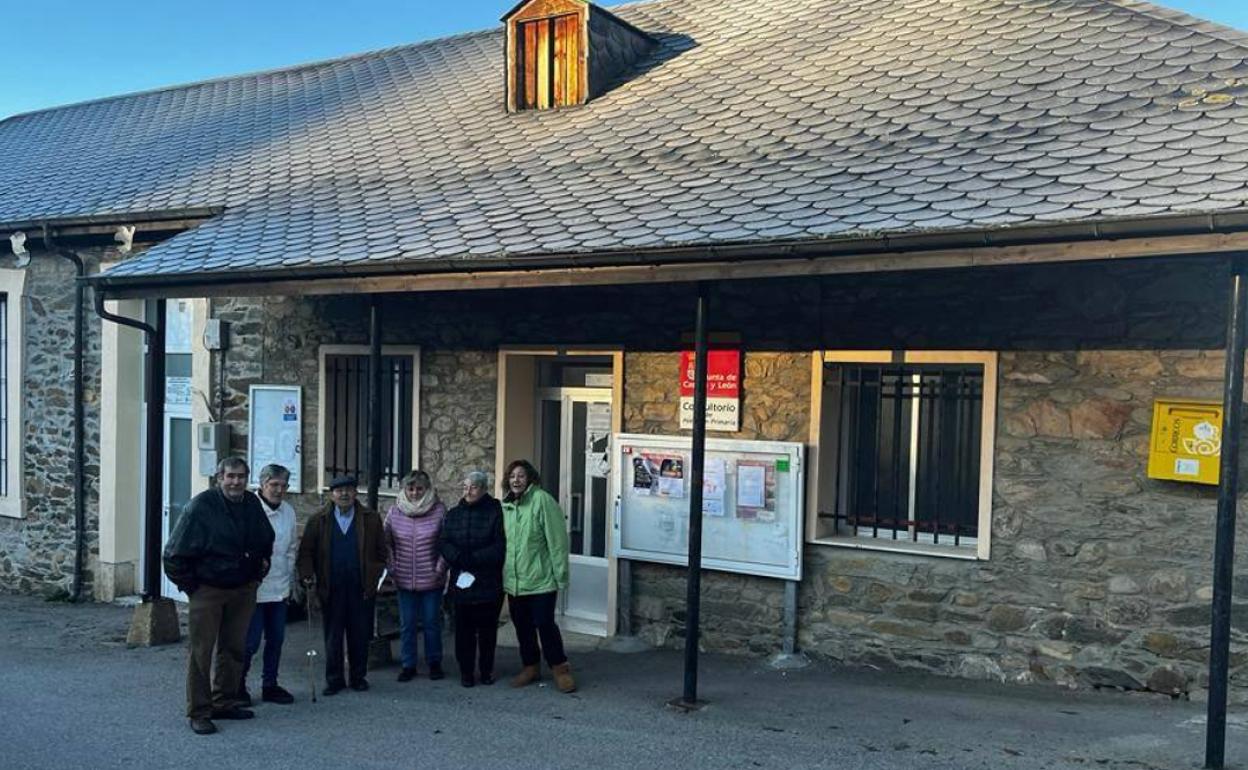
(37, 550)
(1098, 576)
(277, 341)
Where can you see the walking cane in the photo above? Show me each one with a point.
(311, 654)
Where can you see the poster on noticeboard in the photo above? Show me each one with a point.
(752, 493)
(660, 475)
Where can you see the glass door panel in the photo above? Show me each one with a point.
(576, 461)
(177, 488)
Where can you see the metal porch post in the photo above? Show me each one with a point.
(154, 475)
(1228, 488)
(693, 592)
(374, 402)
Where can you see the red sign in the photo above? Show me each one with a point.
(723, 373)
(723, 390)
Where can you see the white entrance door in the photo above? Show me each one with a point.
(574, 438)
(179, 438)
(177, 484)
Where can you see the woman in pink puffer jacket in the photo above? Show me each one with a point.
(412, 527)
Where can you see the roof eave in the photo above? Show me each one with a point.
(1070, 233)
(191, 214)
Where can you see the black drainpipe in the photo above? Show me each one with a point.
(155, 384)
(80, 503)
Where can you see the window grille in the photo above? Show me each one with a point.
(908, 451)
(346, 424)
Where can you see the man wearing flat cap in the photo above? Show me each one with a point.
(343, 551)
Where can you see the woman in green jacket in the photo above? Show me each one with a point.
(534, 572)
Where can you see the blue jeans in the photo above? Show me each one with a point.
(428, 605)
(269, 619)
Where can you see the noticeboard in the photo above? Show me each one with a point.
(751, 508)
(1186, 441)
(275, 431)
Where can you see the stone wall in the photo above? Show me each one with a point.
(37, 551)
(458, 402)
(1098, 575)
(272, 342)
(277, 341)
(740, 613)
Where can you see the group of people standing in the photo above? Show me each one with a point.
(236, 556)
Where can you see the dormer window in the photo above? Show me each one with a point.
(562, 53)
(548, 62)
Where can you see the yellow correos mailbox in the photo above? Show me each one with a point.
(1187, 441)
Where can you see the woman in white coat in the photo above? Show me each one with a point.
(269, 619)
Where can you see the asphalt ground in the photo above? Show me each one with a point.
(73, 695)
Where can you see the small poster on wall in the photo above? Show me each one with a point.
(643, 478)
(756, 490)
(659, 475)
(672, 477)
(714, 482)
(274, 431)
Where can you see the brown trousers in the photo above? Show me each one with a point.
(218, 619)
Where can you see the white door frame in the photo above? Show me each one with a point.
(566, 396)
(168, 589)
(182, 345)
(516, 427)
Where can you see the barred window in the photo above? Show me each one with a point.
(903, 451)
(344, 412)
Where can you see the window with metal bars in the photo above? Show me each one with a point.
(548, 62)
(906, 452)
(346, 417)
(4, 395)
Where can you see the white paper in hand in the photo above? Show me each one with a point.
(465, 580)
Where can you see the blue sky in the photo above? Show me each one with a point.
(61, 51)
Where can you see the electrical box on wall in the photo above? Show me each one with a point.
(216, 334)
(1186, 442)
(212, 439)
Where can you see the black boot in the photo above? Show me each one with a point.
(276, 694)
(202, 726)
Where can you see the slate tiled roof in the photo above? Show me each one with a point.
(755, 120)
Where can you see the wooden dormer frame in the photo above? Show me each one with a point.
(535, 10)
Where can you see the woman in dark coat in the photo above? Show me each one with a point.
(474, 546)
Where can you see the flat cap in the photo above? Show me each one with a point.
(343, 481)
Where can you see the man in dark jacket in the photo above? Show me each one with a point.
(343, 551)
(217, 555)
